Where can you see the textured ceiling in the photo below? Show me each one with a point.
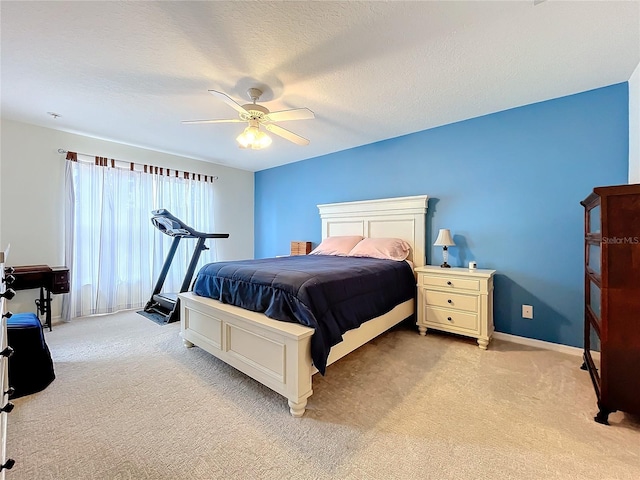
(131, 71)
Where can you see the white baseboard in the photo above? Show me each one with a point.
(556, 347)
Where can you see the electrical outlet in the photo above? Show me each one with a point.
(527, 311)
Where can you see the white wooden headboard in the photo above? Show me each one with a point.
(401, 217)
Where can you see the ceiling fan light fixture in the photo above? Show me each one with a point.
(253, 138)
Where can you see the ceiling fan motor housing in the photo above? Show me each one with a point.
(254, 112)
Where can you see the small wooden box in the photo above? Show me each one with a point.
(300, 248)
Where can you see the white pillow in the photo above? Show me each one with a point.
(385, 248)
(340, 245)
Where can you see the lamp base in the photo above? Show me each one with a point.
(445, 257)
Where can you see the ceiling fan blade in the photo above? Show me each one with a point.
(228, 100)
(294, 114)
(229, 120)
(284, 133)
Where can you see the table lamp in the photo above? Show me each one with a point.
(444, 240)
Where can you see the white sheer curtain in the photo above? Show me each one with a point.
(113, 252)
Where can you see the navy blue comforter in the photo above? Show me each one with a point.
(328, 293)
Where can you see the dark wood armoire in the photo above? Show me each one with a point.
(612, 297)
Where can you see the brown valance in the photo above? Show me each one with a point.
(151, 169)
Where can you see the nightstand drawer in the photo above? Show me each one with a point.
(452, 318)
(451, 300)
(451, 282)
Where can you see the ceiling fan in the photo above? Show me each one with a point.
(256, 115)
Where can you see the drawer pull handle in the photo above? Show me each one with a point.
(449, 301)
(449, 318)
(7, 352)
(7, 408)
(8, 465)
(8, 294)
(448, 283)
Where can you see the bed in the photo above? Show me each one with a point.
(277, 353)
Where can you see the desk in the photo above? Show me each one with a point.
(48, 279)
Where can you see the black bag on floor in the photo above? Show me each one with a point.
(30, 366)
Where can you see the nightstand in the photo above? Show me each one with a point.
(456, 300)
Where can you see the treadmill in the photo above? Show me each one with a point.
(167, 304)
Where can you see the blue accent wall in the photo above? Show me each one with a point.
(508, 185)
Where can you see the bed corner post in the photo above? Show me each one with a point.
(297, 409)
(299, 373)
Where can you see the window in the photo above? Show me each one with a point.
(113, 252)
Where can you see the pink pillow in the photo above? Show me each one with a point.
(385, 248)
(340, 245)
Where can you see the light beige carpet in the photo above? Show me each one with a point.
(130, 402)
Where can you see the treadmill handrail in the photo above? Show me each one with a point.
(182, 230)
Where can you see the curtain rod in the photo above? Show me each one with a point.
(102, 161)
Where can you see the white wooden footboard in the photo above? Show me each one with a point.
(276, 354)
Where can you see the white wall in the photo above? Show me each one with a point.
(2, 246)
(634, 126)
(32, 192)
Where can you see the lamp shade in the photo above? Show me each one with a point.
(253, 138)
(444, 238)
